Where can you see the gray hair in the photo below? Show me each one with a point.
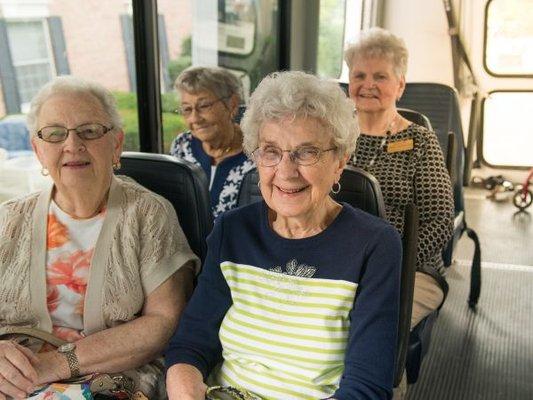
(68, 84)
(379, 43)
(297, 94)
(219, 81)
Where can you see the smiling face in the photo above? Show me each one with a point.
(213, 123)
(295, 191)
(77, 163)
(374, 86)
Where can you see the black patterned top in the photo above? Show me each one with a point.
(418, 175)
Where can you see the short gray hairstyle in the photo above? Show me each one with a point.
(68, 84)
(297, 94)
(379, 43)
(219, 81)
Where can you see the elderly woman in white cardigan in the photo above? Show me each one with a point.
(95, 260)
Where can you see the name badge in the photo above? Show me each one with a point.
(400, 145)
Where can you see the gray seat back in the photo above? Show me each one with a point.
(440, 104)
(180, 182)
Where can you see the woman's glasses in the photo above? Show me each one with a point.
(270, 156)
(201, 107)
(58, 134)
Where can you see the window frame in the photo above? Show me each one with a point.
(481, 141)
(485, 39)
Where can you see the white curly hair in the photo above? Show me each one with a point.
(379, 43)
(295, 94)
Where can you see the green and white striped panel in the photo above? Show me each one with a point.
(284, 336)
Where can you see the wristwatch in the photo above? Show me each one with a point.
(67, 350)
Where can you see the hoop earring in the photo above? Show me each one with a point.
(44, 172)
(337, 189)
(117, 165)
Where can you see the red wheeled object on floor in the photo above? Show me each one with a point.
(523, 196)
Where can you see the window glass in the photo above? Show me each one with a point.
(353, 24)
(240, 35)
(236, 27)
(507, 138)
(509, 37)
(330, 38)
(43, 39)
(175, 48)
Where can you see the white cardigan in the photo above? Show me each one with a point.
(140, 246)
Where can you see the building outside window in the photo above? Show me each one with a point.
(31, 57)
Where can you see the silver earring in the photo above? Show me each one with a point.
(259, 184)
(44, 172)
(336, 190)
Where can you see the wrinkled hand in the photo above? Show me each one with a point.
(18, 376)
(185, 382)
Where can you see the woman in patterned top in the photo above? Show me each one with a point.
(298, 296)
(209, 103)
(405, 158)
(94, 259)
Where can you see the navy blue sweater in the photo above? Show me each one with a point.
(356, 247)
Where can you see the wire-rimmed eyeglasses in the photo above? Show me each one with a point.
(58, 134)
(201, 107)
(270, 156)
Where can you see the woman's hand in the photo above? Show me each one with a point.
(185, 382)
(51, 367)
(18, 376)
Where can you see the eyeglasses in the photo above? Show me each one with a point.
(270, 156)
(58, 134)
(201, 108)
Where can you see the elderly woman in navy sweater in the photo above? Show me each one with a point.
(210, 99)
(299, 295)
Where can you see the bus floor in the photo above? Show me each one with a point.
(487, 353)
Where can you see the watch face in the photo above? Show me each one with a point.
(64, 348)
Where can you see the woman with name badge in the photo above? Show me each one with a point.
(405, 158)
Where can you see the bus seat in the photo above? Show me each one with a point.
(249, 192)
(416, 117)
(440, 104)
(180, 182)
(418, 346)
(408, 343)
(361, 190)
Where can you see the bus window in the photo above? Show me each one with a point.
(247, 43)
(352, 26)
(332, 17)
(175, 49)
(507, 141)
(239, 35)
(509, 38)
(41, 40)
(236, 27)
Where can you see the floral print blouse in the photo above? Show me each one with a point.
(70, 245)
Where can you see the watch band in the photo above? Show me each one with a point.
(73, 364)
(68, 350)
